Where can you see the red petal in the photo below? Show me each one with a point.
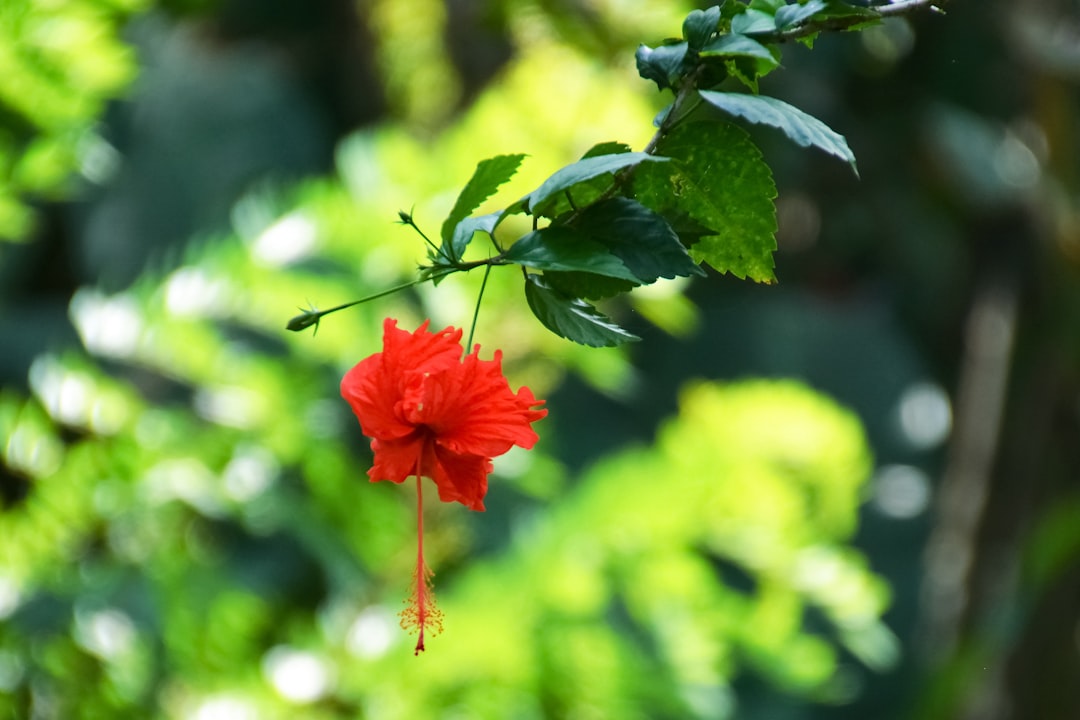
(471, 409)
(375, 386)
(417, 393)
(459, 478)
(397, 459)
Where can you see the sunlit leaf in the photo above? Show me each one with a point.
(610, 147)
(719, 180)
(60, 64)
(489, 175)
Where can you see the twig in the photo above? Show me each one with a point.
(839, 24)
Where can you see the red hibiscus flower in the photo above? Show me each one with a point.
(430, 412)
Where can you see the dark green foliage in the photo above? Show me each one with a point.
(559, 247)
(572, 318)
(641, 238)
(700, 25)
(587, 285)
(789, 16)
(699, 193)
(664, 65)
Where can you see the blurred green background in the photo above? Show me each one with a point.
(850, 495)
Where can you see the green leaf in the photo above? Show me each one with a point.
(662, 115)
(804, 129)
(735, 45)
(586, 285)
(515, 208)
(639, 237)
(719, 180)
(753, 21)
(587, 192)
(486, 179)
(746, 71)
(558, 247)
(617, 239)
(572, 318)
(578, 172)
(663, 65)
(791, 15)
(840, 9)
(744, 58)
(700, 25)
(464, 231)
(611, 147)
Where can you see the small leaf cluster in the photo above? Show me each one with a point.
(700, 193)
(741, 42)
(590, 239)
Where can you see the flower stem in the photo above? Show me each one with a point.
(476, 311)
(313, 316)
(407, 219)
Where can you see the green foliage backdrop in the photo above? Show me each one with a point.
(60, 63)
(186, 527)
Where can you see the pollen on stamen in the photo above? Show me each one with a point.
(421, 612)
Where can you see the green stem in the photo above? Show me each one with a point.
(897, 8)
(407, 219)
(308, 318)
(312, 317)
(687, 90)
(476, 311)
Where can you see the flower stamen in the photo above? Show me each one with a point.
(421, 611)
